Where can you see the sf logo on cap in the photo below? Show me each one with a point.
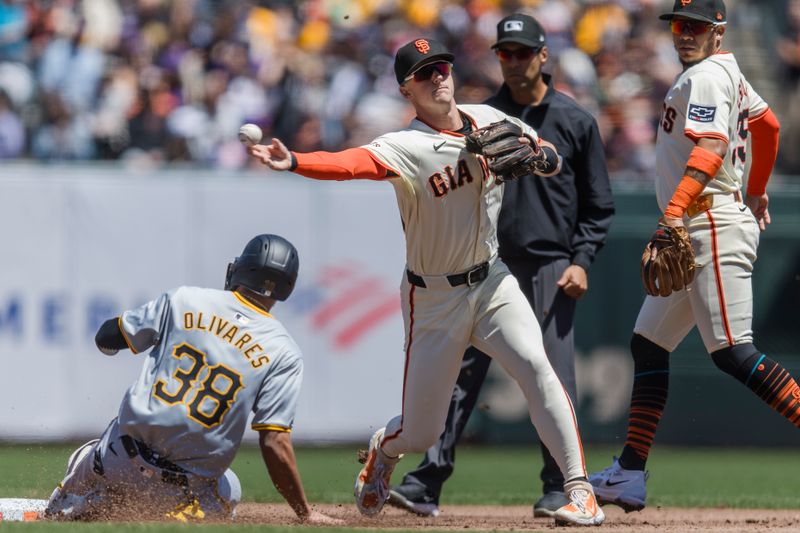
(422, 45)
(515, 25)
(685, 3)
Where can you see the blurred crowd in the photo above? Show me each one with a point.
(148, 82)
(787, 46)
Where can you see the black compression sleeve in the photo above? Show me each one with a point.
(110, 336)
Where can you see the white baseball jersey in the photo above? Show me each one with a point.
(710, 99)
(449, 200)
(449, 203)
(216, 358)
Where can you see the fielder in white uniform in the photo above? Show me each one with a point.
(216, 357)
(713, 124)
(455, 291)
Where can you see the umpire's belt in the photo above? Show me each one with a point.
(704, 202)
(471, 277)
(170, 472)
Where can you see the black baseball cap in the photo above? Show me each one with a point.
(712, 11)
(522, 29)
(420, 52)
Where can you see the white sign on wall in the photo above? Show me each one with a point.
(81, 245)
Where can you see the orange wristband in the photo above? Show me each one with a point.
(705, 161)
(687, 192)
(689, 189)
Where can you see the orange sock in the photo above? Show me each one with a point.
(648, 400)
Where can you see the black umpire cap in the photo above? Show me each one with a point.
(522, 29)
(712, 11)
(420, 52)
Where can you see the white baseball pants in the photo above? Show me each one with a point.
(720, 299)
(494, 316)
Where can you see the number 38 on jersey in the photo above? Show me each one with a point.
(206, 391)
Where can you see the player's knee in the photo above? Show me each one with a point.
(647, 355)
(230, 489)
(737, 360)
(80, 454)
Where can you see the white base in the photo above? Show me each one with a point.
(21, 509)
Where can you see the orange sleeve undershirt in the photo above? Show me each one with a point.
(764, 129)
(350, 164)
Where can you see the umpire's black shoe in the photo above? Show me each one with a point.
(414, 499)
(549, 504)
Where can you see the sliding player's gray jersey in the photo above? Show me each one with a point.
(216, 357)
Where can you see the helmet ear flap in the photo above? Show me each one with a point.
(228, 276)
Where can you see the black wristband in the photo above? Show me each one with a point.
(548, 162)
(294, 162)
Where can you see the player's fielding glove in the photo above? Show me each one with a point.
(672, 268)
(508, 157)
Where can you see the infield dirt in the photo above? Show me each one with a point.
(519, 518)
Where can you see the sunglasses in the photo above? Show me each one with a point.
(426, 72)
(693, 27)
(520, 54)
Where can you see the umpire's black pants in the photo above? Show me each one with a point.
(555, 311)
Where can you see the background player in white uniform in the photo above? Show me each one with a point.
(712, 123)
(216, 357)
(455, 291)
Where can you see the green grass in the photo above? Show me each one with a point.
(19, 527)
(696, 477)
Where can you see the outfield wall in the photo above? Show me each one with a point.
(705, 406)
(80, 244)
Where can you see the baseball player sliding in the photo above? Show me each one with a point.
(455, 292)
(697, 268)
(216, 356)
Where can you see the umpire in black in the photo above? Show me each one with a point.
(550, 230)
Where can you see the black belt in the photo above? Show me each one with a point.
(470, 277)
(170, 472)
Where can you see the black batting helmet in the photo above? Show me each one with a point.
(268, 265)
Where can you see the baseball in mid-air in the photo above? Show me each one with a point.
(250, 134)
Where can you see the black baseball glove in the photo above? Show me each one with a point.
(509, 158)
